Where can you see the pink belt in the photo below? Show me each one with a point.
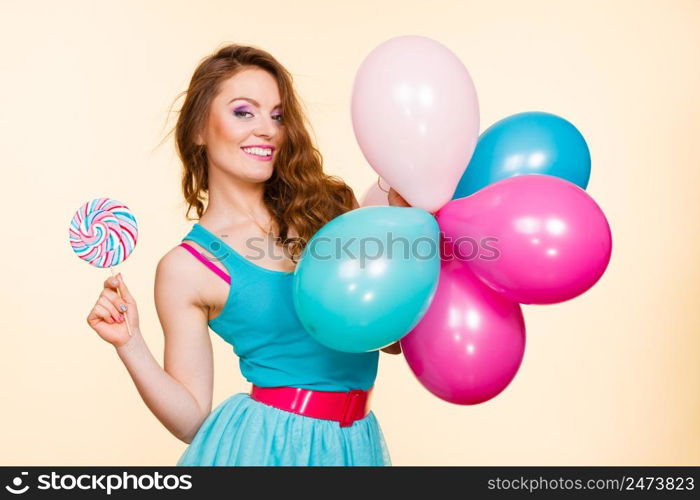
(343, 407)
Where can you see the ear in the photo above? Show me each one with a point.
(198, 140)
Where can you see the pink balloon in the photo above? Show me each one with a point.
(551, 241)
(416, 118)
(470, 343)
(374, 196)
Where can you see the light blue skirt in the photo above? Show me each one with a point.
(241, 431)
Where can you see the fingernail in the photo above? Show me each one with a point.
(115, 282)
(122, 307)
(121, 317)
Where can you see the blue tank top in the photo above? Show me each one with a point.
(260, 322)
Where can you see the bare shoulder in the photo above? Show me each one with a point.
(181, 279)
(176, 272)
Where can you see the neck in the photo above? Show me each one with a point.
(233, 201)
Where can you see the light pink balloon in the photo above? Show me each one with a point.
(470, 343)
(550, 240)
(416, 118)
(374, 196)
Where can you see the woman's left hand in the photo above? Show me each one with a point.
(394, 348)
(395, 199)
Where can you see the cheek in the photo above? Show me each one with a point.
(281, 136)
(227, 132)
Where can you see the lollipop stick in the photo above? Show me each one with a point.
(126, 319)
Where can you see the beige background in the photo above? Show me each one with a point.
(609, 378)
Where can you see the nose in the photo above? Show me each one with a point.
(266, 127)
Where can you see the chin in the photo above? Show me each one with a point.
(256, 174)
(260, 176)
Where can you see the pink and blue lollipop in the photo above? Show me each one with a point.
(103, 232)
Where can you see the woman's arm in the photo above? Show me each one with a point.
(180, 394)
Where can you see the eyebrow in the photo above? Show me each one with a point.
(252, 101)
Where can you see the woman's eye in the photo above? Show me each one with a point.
(242, 114)
(277, 118)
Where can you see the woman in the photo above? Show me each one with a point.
(246, 152)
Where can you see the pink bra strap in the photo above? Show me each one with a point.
(207, 262)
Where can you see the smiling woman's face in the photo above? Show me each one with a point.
(245, 130)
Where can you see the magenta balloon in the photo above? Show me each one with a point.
(551, 240)
(416, 118)
(470, 343)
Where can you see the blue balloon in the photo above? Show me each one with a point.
(527, 143)
(367, 277)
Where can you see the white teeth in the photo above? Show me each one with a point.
(259, 151)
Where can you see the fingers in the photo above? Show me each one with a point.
(116, 283)
(394, 348)
(99, 312)
(126, 296)
(115, 300)
(109, 306)
(111, 283)
(395, 199)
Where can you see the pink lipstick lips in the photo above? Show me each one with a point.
(260, 152)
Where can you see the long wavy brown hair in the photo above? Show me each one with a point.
(298, 194)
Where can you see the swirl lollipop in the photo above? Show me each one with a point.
(103, 232)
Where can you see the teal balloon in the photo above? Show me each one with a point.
(367, 277)
(527, 143)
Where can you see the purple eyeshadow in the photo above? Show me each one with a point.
(242, 108)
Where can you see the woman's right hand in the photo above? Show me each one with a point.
(109, 315)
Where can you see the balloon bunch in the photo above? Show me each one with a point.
(514, 221)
